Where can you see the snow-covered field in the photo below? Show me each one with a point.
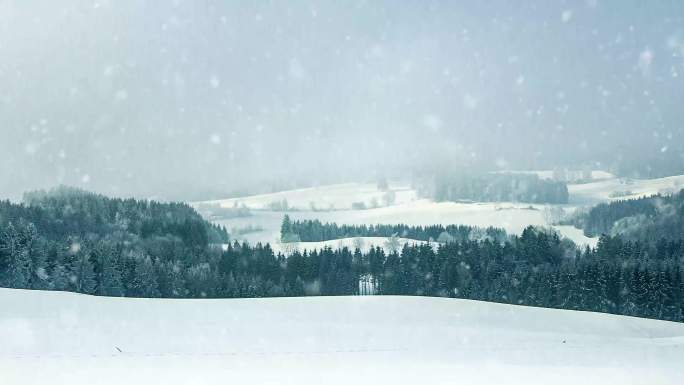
(329, 197)
(408, 209)
(549, 174)
(362, 243)
(513, 217)
(63, 338)
(620, 188)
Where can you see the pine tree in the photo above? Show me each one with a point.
(109, 277)
(297, 288)
(231, 289)
(19, 270)
(175, 282)
(60, 279)
(144, 282)
(83, 274)
(35, 249)
(286, 226)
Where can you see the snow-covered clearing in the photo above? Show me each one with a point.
(362, 243)
(64, 338)
(513, 217)
(621, 188)
(408, 209)
(549, 174)
(329, 197)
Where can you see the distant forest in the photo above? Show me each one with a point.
(81, 242)
(316, 231)
(644, 219)
(495, 187)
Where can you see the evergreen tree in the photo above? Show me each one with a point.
(17, 246)
(83, 274)
(108, 275)
(144, 282)
(286, 226)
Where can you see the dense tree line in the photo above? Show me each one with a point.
(648, 164)
(315, 231)
(648, 218)
(68, 239)
(498, 187)
(69, 212)
(537, 268)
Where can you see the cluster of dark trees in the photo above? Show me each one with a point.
(646, 219)
(647, 164)
(68, 239)
(619, 277)
(498, 187)
(87, 243)
(70, 212)
(316, 231)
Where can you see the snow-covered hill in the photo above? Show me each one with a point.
(63, 338)
(328, 197)
(620, 188)
(513, 217)
(408, 209)
(549, 174)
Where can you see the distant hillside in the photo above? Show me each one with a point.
(69, 212)
(495, 187)
(70, 239)
(645, 219)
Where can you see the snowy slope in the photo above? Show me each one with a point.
(549, 174)
(513, 217)
(63, 338)
(329, 197)
(619, 188)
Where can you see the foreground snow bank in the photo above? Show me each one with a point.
(63, 338)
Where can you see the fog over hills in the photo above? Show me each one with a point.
(196, 99)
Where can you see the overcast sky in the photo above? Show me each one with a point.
(153, 98)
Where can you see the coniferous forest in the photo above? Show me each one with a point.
(648, 218)
(496, 187)
(77, 241)
(315, 231)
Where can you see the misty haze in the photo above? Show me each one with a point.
(293, 192)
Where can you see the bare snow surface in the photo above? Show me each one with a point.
(621, 188)
(64, 338)
(362, 243)
(328, 197)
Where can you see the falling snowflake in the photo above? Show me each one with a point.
(121, 95)
(566, 15)
(645, 60)
(432, 122)
(470, 102)
(214, 81)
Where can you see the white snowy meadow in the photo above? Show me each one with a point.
(65, 338)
